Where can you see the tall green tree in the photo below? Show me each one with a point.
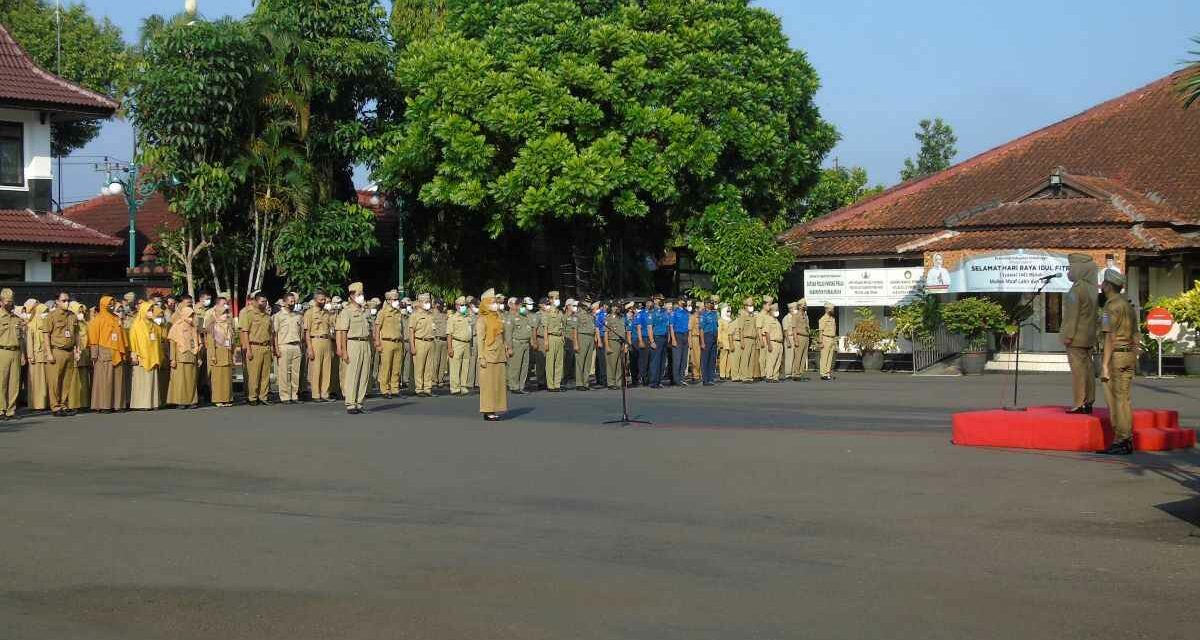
(1189, 84)
(558, 122)
(937, 150)
(838, 187)
(93, 56)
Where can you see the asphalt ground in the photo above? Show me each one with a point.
(797, 510)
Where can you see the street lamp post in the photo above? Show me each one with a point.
(134, 190)
(377, 200)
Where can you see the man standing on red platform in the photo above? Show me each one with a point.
(1121, 342)
(1079, 330)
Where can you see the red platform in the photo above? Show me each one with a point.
(1052, 428)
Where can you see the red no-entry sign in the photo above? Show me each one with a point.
(1159, 322)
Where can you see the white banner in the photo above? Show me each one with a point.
(1018, 272)
(885, 287)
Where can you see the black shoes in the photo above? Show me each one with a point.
(827, 378)
(1085, 409)
(491, 417)
(354, 411)
(1119, 448)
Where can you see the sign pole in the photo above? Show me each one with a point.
(1160, 340)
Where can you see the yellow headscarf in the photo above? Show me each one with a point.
(145, 338)
(105, 331)
(78, 308)
(493, 327)
(37, 326)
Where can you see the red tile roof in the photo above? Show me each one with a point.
(22, 82)
(1130, 162)
(110, 215)
(50, 231)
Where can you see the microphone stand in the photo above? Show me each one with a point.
(624, 420)
(1021, 310)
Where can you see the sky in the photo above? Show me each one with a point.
(992, 70)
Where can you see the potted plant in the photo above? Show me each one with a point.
(1148, 358)
(1186, 309)
(974, 319)
(868, 338)
(918, 320)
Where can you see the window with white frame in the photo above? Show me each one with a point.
(12, 155)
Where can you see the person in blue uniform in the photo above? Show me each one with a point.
(601, 312)
(641, 328)
(708, 342)
(631, 353)
(660, 327)
(680, 319)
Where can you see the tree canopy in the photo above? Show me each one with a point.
(838, 187)
(573, 120)
(1189, 85)
(937, 150)
(93, 56)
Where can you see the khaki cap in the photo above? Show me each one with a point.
(461, 300)
(1113, 276)
(802, 302)
(423, 297)
(552, 294)
(336, 300)
(829, 306)
(528, 300)
(374, 302)
(1079, 258)
(768, 299)
(514, 300)
(629, 305)
(223, 294)
(714, 299)
(392, 295)
(130, 297)
(355, 287)
(6, 294)
(748, 301)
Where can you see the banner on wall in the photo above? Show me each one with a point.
(883, 287)
(1019, 271)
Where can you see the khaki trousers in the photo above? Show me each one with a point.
(258, 373)
(518, 365)
(1083, 375)
(442, 366)
(460, 364)
(828, 353)
(1117, 394)
(10, 381)
(554, 361)
(800, 361)
(612, 363)
(746, 353)
(585, 359)
(725, 364)
(287, 372)
(424, 364)
(60, 372)
(320, 368)
(391, 363)
(770, 360)
(358, 373)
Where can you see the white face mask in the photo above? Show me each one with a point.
(79, 316)
(360, 300)
(205, 302)
(750, 309)
(775, 314)
(556, 304)
(462, 308)
(406, 310)
(395, 304)
(328, 306)
(426, 306)
(296, 307)
(158, 321)
(374, 311)
(529, 307)
(689, 308)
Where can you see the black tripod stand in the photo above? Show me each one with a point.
(1018, 314)
(624, 420)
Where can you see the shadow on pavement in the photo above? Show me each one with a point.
(1182, 468)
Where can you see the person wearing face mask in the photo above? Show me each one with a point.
(406, 373)
(771, 345)
(611, 339)
(40, 357)
(11, 356)
(660, 337)
(598, 366)
(318, 339)
(695, 352)
(388, 334)
(708, 325)
(337, 375)
(1119, 355)
(287, 330)
(538, 345)
(725, 358)
(128, 311)
(493, 359)
(219, 347)
(185, 345)
(1078, 331)
(458, 346)
(473, 358)
(639, 346)
(421, 342)
(802, 338)
(441, 315)
(145, 342)
(79, 393)
(760, 325)
(258, 347)
(680, 326)
(518, 336)
(583, 337)
(746, 334)
(827, 329)
(552, 337)
(353, 342)
(109, 345)
(61, 329)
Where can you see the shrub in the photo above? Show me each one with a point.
(974, 319)
(918, 320)
(868, 334)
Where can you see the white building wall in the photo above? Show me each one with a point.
(37, 144)
(37, 267)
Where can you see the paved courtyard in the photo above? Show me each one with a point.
(812, 510)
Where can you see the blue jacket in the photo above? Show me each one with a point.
(680, 319)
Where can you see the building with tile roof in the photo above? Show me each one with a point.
(31, 101)
(1120, 181)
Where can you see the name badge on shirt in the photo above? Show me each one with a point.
(66, 333)
(154, 337)
(113, 337)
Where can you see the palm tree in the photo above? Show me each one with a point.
(1189, 85)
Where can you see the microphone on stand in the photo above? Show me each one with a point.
(1049, 277)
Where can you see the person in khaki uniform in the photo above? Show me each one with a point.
(827, 328)
(354, 348)
(538, 347)
(553, 324)
(288, 330)
(802, 338)
(219, 346)
(771, 345)
(318, 338)
(80, 394)
(746, 334)
(421, 341)
(694, 351)
(726, 358)
(109, 345)
(583, 337)
(473, 359)
(1078, 332)
(62, 334)
(458, 346)
(390, 343)
(335, 363)
(493, 358)
(39, 356)
(1122, 341)
(254, 326)
(184, 339)
(615, 345)
(789, 342)
(11, 356)
(519, 335)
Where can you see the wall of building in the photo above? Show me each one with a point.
(37, 264)
(36, 192)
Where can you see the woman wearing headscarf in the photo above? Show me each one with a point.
(79, 387)
(493, 359)
(185, 355)
(109, 348)
(218, 336)
(145, 343)
(40, 357)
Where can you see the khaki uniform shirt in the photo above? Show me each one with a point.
(391, 324)
(746, 326)
(800, 323)
(494, 353)
(570, 322)
(518, 328)
(1120, 320)
(355, 321)
(789, 331)
(1079, 315)
(288, 326)
(552, 322)
(439, 325)
(773, 329)
(10, 330)
(587, 325)
(535, 324)
(725, 333)
(318, 323)
(420, 325)
(614, 325)
(458, 328)
(828, 327)
(62, 329)
(257, 324)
